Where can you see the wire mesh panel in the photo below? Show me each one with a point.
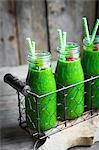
(75, 103)
(22, 114)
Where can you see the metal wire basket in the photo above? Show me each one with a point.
(24, 90)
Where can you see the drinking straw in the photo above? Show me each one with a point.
(30, 46)
(62, 38)
(86, 29)
(33, 46)
(94, 31)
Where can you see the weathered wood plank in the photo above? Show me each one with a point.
(83, 134)
(31, 20)
(8, 40)
(67, 15)
(19, 140)
(14, 138)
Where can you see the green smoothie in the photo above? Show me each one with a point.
(41, 82)
(90, 63)
(68, 73)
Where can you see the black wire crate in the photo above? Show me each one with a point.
(62, 122)
(75, 103)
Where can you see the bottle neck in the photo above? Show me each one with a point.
(91, 47)
(40, 61)
(70, 53)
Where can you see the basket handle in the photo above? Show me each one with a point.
(16, 83)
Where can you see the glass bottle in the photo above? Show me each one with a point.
(69, 71)
(41, 80)
(90, 64)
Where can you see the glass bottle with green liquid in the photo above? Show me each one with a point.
(90, 64)
(41, 81)
(69, 71)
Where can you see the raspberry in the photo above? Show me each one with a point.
(97, 47)
(71, 59)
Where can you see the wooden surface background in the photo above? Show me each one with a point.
(40, 19)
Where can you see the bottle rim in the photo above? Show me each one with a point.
(75, 47)
(39, 55)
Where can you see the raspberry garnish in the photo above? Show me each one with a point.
(71, 59)
(97, 47)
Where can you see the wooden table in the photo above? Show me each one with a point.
(12, 136)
